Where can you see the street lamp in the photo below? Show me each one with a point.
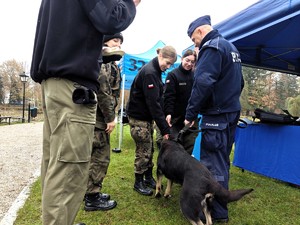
(24, 79)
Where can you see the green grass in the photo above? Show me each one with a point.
(272, 202)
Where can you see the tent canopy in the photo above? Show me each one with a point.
(267, 35)
(132, 63)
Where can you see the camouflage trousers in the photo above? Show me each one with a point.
(100, 160)
(142, 134)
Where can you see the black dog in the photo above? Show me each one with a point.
(198, 185)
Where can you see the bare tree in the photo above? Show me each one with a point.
(10, 71)
(2, 95)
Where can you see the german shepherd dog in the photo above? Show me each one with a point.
(199, 187)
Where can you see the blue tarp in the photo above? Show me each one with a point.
(270, 150)
(266, 35)
(132, 63)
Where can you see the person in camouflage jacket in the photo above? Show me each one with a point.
(108, 98)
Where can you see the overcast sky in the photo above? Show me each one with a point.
(165, 20)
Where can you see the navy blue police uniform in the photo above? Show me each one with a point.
(215, 95)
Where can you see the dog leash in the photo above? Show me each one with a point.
(186, 128)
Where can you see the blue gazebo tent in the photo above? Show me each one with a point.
(267, 35)
(132, 63)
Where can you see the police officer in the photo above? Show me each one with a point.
(145, 106)
(215, 94)
(178, 87)
(108, 96)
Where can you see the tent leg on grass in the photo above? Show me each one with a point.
(120, 118)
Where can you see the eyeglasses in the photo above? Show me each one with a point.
(187, 60)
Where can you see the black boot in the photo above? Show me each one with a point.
(94, 202)
(140, 187)
(104, 196)
(149, 180)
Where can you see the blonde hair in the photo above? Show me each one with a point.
(167, 52)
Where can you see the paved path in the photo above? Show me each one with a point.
(20, 156)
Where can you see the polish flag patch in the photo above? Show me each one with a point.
(151, 86)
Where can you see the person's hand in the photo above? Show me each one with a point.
(136, 2)
(166, 136)
(187, 122)
(110, 127)
(168, 119)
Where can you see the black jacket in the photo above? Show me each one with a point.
(69, 37)
(145, 100)
(178, 87)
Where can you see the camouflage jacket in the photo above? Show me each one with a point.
(108, 95)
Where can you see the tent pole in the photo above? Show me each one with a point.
(118, 150)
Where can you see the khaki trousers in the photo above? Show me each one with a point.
(67, 144)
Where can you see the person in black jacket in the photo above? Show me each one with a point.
(215, 95)
(67, 46)
(178, 87)
(145, 105)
